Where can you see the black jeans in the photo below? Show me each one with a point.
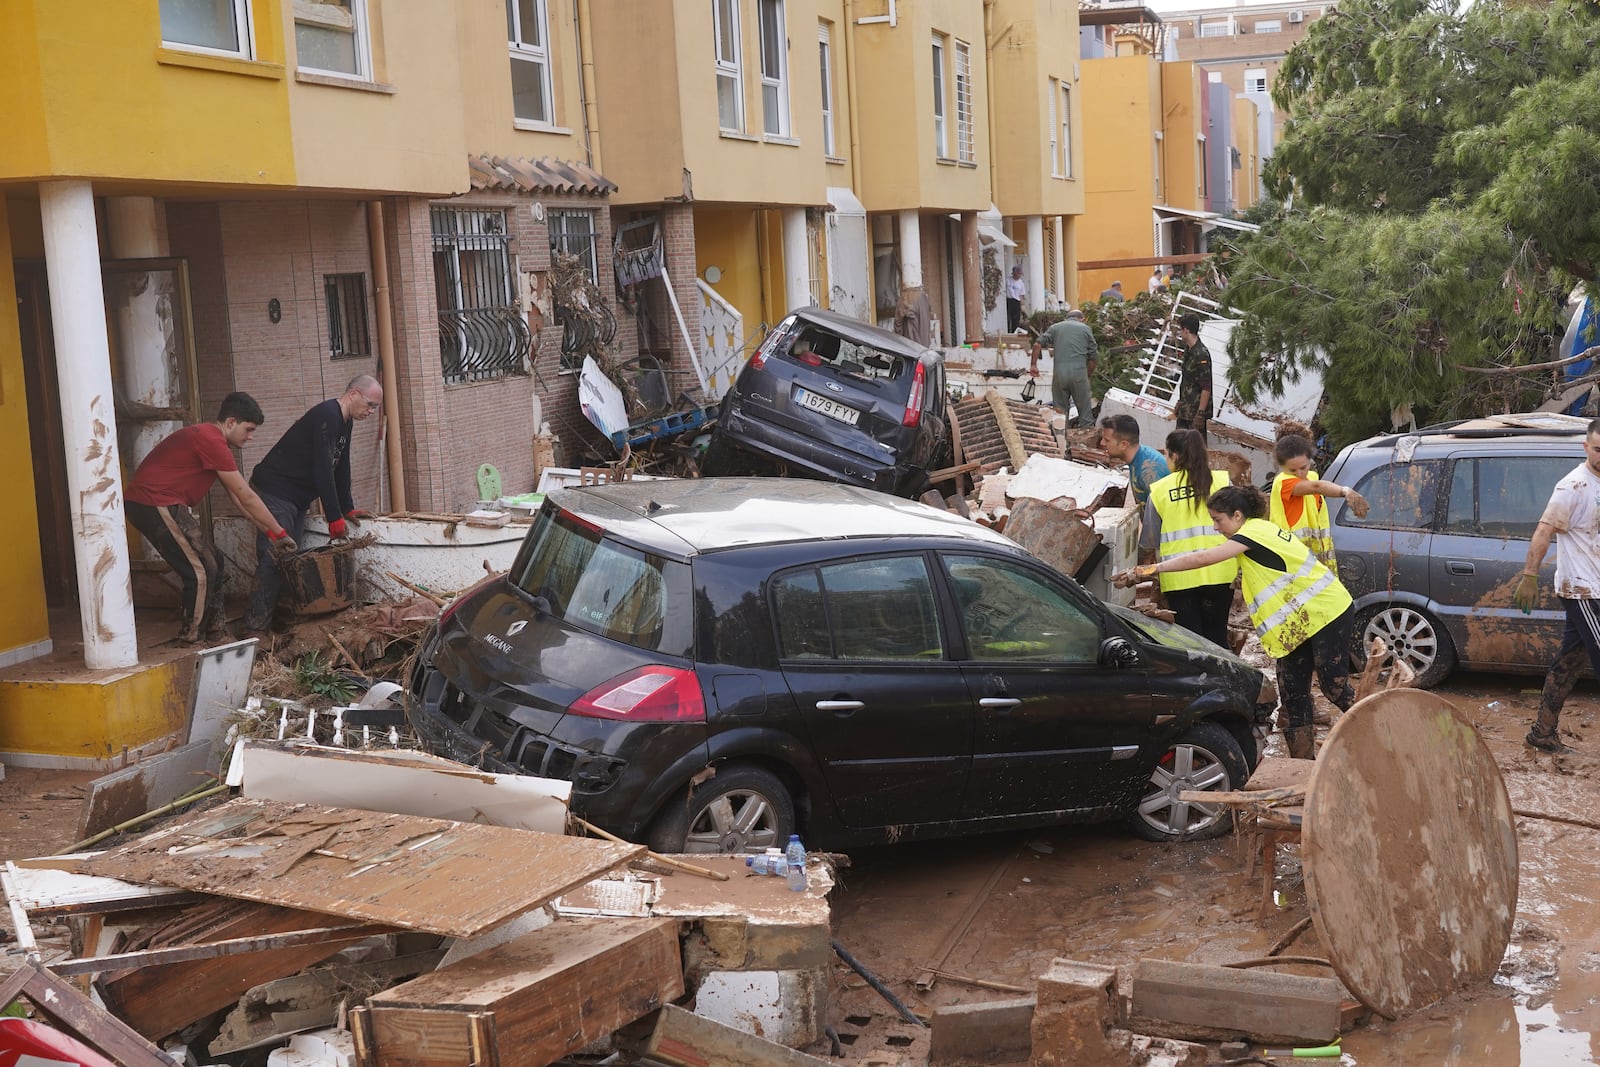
(1013, 314)
(264, 596)
(1203, 610)
(176, 535)
(1580, 648)
(1327, 653)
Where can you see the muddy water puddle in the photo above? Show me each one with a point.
(1098, 895)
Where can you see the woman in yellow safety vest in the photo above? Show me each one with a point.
(1175, 522)
(1297, 503)
(1301, 613)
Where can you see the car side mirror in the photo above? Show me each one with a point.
(1118, 653)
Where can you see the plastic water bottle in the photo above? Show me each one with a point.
(795, 857)
(772, 862)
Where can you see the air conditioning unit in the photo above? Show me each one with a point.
(1297, 16)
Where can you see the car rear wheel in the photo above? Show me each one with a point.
(742, 808)
(1207, 758)
(1413, 635)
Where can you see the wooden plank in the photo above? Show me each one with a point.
(1411, 862)
(68, 1009)
(451, 878)
(159, 1000)
(157, 957)
(547, 994)
(1261, 1004)
(683, 1039)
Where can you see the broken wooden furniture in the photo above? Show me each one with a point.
(70, 1011)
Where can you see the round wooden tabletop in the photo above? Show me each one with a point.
(1410, 852)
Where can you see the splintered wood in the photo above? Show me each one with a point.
(450, 878)
(993, 439)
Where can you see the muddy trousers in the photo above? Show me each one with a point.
(1580, 647)
(1203, 610)
(175, 534)
(264, 594)
(1326, 654)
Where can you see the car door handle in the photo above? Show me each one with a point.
(840, 707)
(999, 702)
(1456, 566)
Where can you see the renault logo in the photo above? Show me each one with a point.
(516, 628)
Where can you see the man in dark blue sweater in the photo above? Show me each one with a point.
(310, 462)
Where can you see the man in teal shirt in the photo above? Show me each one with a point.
(1119, 439)
(1073, 351)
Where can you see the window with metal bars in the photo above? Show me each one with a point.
(573, 232)
(482, 333)
(966, 150)
(348, 334)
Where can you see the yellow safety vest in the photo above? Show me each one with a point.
(1287, 606)
(1186, 527)
(1312, 530)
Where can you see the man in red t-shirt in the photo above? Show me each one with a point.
(173, 478)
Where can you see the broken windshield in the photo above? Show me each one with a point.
(582, 577)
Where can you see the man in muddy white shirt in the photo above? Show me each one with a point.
(1574, 513)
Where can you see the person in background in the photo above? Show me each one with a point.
(1016, 289)
(1073, 354)
(1114, 293)
(1297, 503)
(1573, 512)
(1301, 613)
(311, 461)
(1193, 409)
(172, 480)
(1176, 521)
(1119, 439)
(1156, 282)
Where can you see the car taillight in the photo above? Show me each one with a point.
(461, 598)
(919, 381)
(645, 694)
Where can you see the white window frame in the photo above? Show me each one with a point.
(774, 68)
(941, 127)
(966, 145)
(1066, 129)
(538, 55)
(1053, 95)
(1219, 26)
(1255, 80)
(825, 49)
(729, 68)
(244, 29)
(363, 44)
(562, 234)
(1267, 26)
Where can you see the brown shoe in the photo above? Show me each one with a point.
(1550, 742)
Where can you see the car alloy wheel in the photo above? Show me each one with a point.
(1207, 758)
(742, 808)
(1413, 636)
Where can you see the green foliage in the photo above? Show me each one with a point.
(1443, 172)
(312, 675)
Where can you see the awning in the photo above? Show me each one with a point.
(1207, 219)
(514, 174)
(843, 200)
(991, 235)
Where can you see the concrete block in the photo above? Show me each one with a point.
(1260, 1004)
(1074, 1016)
(987, 1032)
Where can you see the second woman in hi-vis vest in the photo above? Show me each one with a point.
(1301, 613)
(1176, 521)
(1297, 503)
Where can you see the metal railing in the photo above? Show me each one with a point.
(479, 343)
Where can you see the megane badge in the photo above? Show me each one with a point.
(516, 628)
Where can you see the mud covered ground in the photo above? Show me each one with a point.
(1100, 895)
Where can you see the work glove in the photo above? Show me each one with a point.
(336, 530)
(1527, 592)
(282, 544)
(355, 515)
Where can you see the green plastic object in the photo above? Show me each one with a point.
(1315, 1052)
(488, 482)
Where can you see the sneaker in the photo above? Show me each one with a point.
(1546, 742)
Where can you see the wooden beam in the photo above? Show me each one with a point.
(1143, 261)
(155, 957)
(1263, 1005)
(530, 1000)
(683, 1039)
(68, 1009)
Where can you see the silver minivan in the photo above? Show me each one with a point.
(1434, 564)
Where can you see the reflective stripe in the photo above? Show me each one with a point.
(1277, 585)
(1296, 603)
(1186, 533)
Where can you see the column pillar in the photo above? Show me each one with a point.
(1060, 261)
(1036, 294)
(971, 279)
(796, 259)
(910, 250)
(88, 424)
